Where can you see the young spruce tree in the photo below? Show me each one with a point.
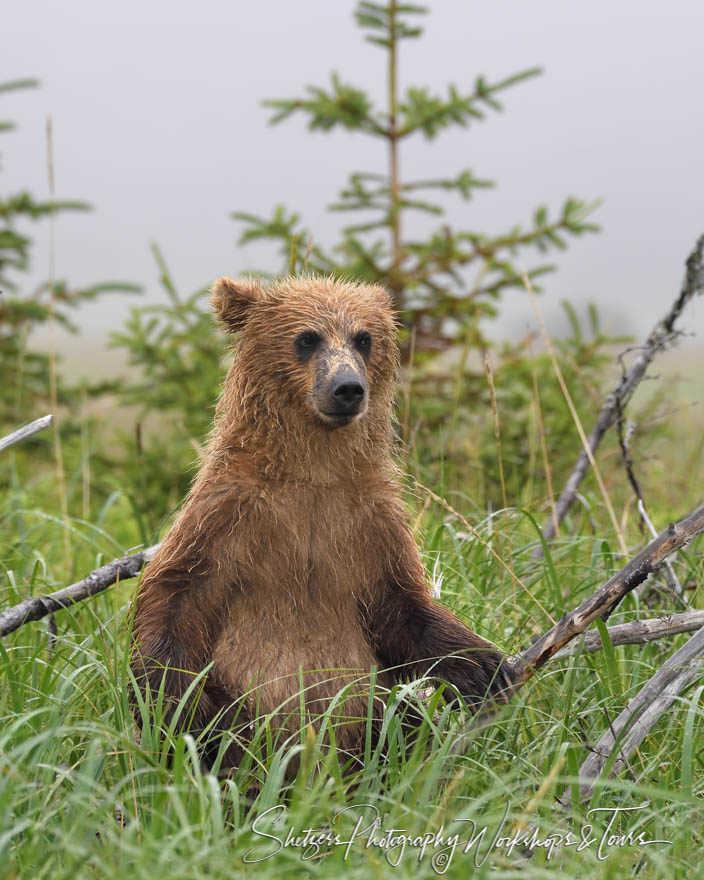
(442, 285)
(451, 278)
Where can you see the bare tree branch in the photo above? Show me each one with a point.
(670, 576)
(27, 431)
(520, 668)
(626, 429)
(661, 336)
(606, 598)
(639, 717)
(37, 607)
(637, 632)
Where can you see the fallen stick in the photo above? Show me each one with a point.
(607, 597)
(520, 668)
(636, 721)
(662, 334)
(37, 607)
(637, 632)
(26, 431)
(670, 576)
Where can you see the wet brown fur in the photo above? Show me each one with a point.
(291, 558)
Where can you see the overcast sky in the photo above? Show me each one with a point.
(158, 123)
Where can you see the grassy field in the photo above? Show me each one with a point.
(84, 792)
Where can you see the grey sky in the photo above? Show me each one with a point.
(158, 123)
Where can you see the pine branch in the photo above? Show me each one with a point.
(429, 113)
(343, 105)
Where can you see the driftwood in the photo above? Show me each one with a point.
(26, 431)
(662, 689)
(661, 336)
(631, 727)
(607, 597)
(637, 632)
(37, 607)
(520, 668)
(669, 572)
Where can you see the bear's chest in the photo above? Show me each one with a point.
(306, 560)
(310, 547)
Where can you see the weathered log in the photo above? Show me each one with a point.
(637, 632)
(639, 717)
(26, 431)
(37, 607)
(607, 597)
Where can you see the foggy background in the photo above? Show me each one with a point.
(158, 122)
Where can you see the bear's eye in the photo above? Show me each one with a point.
(306, 343)
(363, 342)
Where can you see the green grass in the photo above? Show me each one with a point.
(84, 792)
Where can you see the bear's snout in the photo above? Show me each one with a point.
(348, 393)
(343, 397)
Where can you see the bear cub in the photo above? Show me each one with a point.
(291, 568)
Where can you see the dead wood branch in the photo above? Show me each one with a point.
(37, 607)
(26, 431)
(521, 667)
(607, 597)
(641, 714)
(672, 580)
(626, 429)
(662, 335)
(637, 632)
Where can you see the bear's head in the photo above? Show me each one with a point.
(311, 353)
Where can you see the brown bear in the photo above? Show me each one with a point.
(291, 570)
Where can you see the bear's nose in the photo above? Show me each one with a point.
(347, 394)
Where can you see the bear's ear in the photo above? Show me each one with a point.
(231, 300)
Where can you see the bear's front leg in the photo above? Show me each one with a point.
(412, 635)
